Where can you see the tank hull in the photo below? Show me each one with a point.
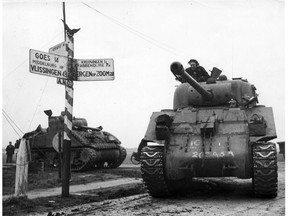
(91, 148)
(205, 142)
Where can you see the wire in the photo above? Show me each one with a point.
(47, 79)
(12, 120)
(141, 35)
(9, 120)
(15, 69)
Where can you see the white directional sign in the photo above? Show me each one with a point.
(48, 64)
(65, 82)
(94, 69)
(59, 49)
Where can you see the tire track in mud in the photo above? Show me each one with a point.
(211, 196)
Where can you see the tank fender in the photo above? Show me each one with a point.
(162, 127)
(265, 123)
(158, 127)
(158, 132)
(111, 138)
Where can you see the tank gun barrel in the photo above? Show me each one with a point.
(178, 70)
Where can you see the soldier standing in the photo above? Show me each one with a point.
(9, 151)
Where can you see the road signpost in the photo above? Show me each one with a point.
(65, 82)
(62, 50)
(48, 64)
(69, 92)
(59, 63)
(59, 49)
(94, 69)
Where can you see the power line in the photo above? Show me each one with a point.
(47, 79)
(9, 120)
(15, 69)
(12, 121)
(10, 124)
(141, 35)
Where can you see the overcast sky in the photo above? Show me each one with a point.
(244, 38)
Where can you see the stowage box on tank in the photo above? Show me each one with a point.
(215, 129)
(91, 148)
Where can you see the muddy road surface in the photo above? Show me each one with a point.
(210, 196)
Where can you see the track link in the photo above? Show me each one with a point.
(88, 155)
(265, 176)
(153, 172)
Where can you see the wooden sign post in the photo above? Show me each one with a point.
(60, 63)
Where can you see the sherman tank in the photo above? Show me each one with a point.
(215, 129)
(91, 148)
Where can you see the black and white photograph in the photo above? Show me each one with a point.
(141, 107)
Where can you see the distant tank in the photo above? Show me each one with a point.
(215, 129)
(91, 148)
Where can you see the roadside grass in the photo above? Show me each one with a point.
(15, 206)
(50, 178)
(18, 206)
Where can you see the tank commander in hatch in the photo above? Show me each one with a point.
(196, 71)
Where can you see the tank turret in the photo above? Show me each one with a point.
(213, 92)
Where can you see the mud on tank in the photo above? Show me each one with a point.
(91, 148)
(215, 129)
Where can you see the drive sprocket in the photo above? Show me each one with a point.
(121, 158)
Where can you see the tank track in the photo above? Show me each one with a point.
(264, 170)
(120, 160)
(153, 172)
(88, 155)
(82, 157)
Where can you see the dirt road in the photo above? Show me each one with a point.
(74, 189)
(213, 196)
